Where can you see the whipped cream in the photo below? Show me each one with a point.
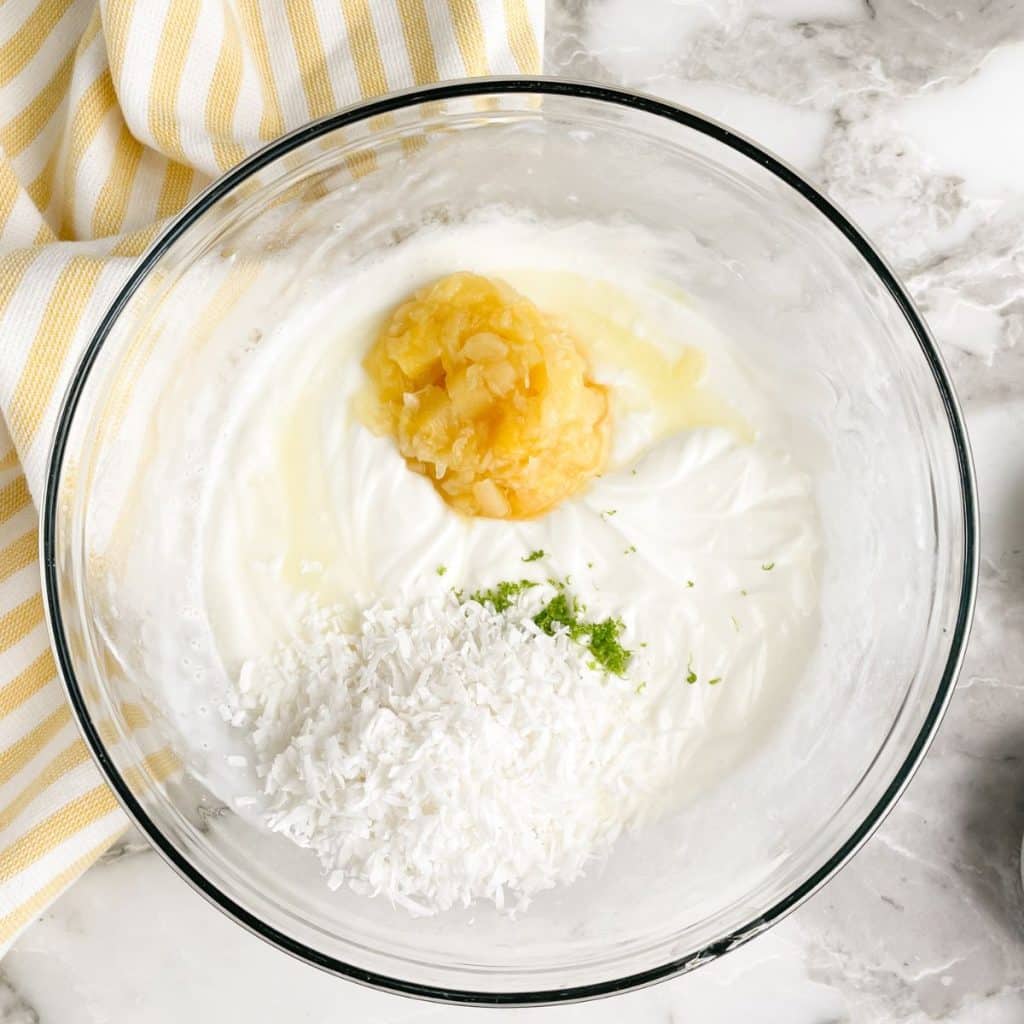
(702, 535)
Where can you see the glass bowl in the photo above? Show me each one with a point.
(871, 414)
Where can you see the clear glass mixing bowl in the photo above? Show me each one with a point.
(797, 287)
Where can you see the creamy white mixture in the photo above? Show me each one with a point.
(702, 534)
(308, 501)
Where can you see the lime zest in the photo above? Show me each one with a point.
(502, 596)
(564, 612)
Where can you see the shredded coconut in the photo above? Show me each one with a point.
(443, 752)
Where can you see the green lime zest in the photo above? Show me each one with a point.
(560, 613)
(534, 556)
(564, 612)
(605, 647)
(600, 638)
(502, 596)
(441, 570)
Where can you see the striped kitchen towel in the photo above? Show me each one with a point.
(113, 115)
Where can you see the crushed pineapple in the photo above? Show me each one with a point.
(488, 397)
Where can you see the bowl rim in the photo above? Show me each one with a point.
(537, 85)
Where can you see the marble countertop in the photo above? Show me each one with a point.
(908, 113)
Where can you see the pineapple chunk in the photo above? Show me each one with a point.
(489, 398)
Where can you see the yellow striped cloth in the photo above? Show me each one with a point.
(113, 114)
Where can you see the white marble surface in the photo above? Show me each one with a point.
(908, 112)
